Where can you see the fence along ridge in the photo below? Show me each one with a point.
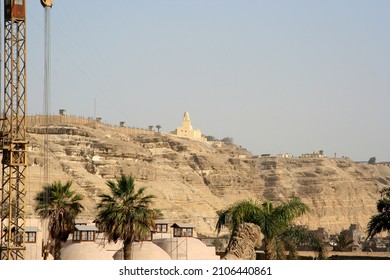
(60, 119)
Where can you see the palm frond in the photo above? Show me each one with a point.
(291, 209)
(274, 222)
(126, 213)
(300, 235)
(383, 205)
(60, 205)
(378, 223)
(381, 221)
(246, 211)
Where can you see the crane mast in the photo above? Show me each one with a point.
(13, 133)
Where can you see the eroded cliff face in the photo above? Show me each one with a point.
(193, 180)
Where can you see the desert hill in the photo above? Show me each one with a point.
(194, 179)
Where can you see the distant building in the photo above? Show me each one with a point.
(322, 234)
(284, 155)
(318, 154)
(186, 130)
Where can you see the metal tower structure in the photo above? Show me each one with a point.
(47, 5)
(13, 133)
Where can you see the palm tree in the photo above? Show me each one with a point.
(342, 243)
(295, 235)
(158, 128)
(60, 205)
(280, 236)
(381, 221)
(125, 213)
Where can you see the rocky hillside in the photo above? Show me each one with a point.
(193, 180)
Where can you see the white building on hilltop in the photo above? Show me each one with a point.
(187, 131)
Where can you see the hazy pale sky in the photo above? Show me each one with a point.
(276, 76)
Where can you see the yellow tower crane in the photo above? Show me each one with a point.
(13, 132)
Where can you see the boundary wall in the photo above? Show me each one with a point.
(72, 120)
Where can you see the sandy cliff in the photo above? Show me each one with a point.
(193, 179)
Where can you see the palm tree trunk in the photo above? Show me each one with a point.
(57, 249)
(269, 250)
(127, 253)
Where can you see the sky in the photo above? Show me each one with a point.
(276, 76)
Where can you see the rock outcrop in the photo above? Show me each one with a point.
(194, 179)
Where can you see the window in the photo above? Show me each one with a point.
(187, 232)
(177, 232)
(84, 232)
(87, 236)
(161, 228)
(182, 232)
(149, 237)
(83, 235)
(31, 237)
(76, 235)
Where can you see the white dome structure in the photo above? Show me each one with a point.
(144, 251)
(86, 251)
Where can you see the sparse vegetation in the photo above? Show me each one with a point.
(372, 160)
(211, 138)
(227, 140)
